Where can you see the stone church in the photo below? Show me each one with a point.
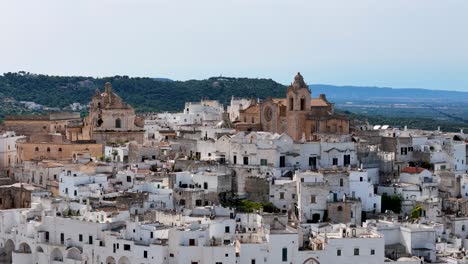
(110, 119)
(298, 115)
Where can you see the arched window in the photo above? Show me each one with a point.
(118, 123)
(36, 149)
(48, 149)
(60, 149)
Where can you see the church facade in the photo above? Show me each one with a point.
(110, 119)
(298, 115)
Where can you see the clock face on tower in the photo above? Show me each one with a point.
(268, 114)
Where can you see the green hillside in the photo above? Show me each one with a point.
(145, 94)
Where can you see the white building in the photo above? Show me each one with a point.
(74, 184)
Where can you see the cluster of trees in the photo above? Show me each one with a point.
(145, 94)
(392, 203)
(230, 199)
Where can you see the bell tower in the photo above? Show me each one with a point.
(298, 107)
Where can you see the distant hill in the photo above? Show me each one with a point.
(356, 93)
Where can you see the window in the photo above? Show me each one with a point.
(312, 199)
(372, 251)
(360, 179)
(198, 202)
(291, 103)
(302, 104)
(341, 182)
(48, 149)
(463, 227)
(285, 254)
(118, 123)
(145, 254)
(335, 161)
(205, 185)
(338, 252)
(346, 160)
(62, 238)
(90, 240)
(313, 162)
(36, 149)
(182, 202)
(293, 196)
(129, 179)
(151, 235)
(281, 195)
(191, 242)
(80, 238)
(404, 151)
(227, 229)
(60, 149)
(356, 252)
(263, 162)
(252, 261)
(127, 247)
(234, 159)
(282, 162)
(246, 160)
(340, 208)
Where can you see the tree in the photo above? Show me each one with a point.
(392, 203)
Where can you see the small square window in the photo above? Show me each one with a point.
(372, 251)
(312, 199)
(356, 252)
(338, 252)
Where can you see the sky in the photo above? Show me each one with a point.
(389, 43)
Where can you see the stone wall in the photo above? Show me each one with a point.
(55, 151)
(118, 136)
(12, 197)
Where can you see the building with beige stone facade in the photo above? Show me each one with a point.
(298, 115)
(110, 119)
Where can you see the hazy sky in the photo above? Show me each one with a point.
(396, 43)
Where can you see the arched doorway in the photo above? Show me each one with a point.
(24, 248)
(74, 253)
(311, 261)
(56, 255)
(124, 260)
(110, 260)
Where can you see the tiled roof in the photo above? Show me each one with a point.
(413, 170)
